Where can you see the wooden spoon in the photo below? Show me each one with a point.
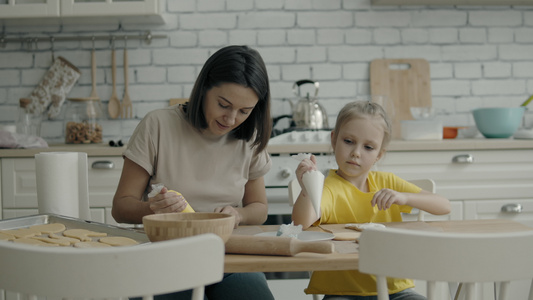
(93, 75)
(113, 107)
(126, 110)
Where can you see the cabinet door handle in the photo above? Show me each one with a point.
(103, 164)
(286, 173)
(512, 208)
(463, 159)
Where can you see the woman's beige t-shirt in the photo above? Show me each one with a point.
(208, 171)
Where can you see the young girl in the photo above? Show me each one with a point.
(355, 194)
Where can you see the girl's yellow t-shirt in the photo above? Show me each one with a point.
(343, 203)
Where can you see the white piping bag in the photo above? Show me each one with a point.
(313, 182)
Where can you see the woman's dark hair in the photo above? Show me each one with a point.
(244, 66)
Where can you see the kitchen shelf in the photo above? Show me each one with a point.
(452, 2)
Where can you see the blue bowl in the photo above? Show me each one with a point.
(498, 122)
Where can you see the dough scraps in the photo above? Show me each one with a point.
(4, 236)
(118, 241)
(346, 236)
(71, 240)
(363, 226)
(83, 235)
(34, 242)
(59, 242)
(23, 232)
(91, 245)
(49, 228)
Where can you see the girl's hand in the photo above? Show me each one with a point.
(384, 198)
(232, 211)
(165, 202)
(305, 166)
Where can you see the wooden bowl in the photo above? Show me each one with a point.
(161, 227)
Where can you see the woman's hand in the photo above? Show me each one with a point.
(167, 202)
(231, 211)
(385, 198)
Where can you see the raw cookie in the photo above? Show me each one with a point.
(23, 232)
(346, 236)
(59, 242)
(49, 228)
(34, 242)
(363, 226)
(66, 238)
(83, 235)
(90, 245)
(4, 236)
(118, 241)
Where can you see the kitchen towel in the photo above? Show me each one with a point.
(62, 184)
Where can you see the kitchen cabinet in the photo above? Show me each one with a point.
(468, 174)
(29, 9)
(19, 188)
(81, 11)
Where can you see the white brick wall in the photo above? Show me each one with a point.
(479, 55)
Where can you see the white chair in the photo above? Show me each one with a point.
(446, 257)
(425, 184)
(134, 271)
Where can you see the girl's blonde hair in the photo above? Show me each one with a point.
(361, 109)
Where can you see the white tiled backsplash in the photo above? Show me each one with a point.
(479, 55)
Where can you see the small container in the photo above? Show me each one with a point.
(27, 122)
(82, 121)
(421, 129)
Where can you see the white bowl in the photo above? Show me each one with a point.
(422, 112)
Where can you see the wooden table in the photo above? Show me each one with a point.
(346, 256)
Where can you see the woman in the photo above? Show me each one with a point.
(211, 150)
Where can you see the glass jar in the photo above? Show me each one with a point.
(82, 121)
(27, 122)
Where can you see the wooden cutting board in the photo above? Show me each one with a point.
(406, 82)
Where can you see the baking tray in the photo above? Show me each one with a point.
(73, 223)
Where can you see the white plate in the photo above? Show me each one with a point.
(305, 235)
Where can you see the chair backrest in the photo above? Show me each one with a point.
(446, 257)
(129, 271)
(425, 184)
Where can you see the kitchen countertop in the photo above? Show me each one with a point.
(420, 145)
(395, 145)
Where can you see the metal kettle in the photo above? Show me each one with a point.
(307, 113)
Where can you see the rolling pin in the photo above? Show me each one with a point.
(270, 245)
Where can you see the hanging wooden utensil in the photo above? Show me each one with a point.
(126, 109)
(113, 106)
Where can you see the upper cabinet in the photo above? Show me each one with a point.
(452, 2)
(29, 9)
(80, 11)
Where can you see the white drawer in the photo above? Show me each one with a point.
(492, 174)
(492, 209)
